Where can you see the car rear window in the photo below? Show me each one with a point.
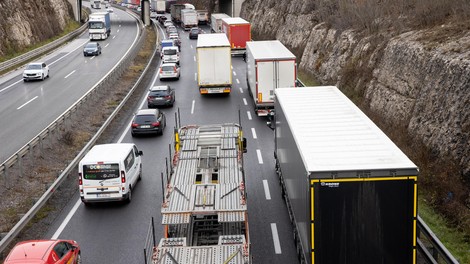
(100, 171)
(169, 52)
(159, 93)
(142, 119)
(168, 68)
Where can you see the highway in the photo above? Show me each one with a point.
(116, 233)
(29, 107)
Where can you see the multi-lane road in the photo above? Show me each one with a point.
(115, 233)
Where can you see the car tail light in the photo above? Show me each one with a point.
(155, 124)
(161, 70)
(174, 68)
(149, 97)
(135, 125)
(168, 97)
(80, 182)
(123, 177)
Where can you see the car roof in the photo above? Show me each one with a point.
(37, 62)
(147, 112)
(30, 251)
(159, 87)
(169, 64)
(172, 47)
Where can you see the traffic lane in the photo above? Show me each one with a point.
(55, 94)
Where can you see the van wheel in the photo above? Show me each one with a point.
(79, 259)
(129, 195)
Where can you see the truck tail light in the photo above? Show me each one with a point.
(123, 177)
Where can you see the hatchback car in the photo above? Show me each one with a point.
(92, 49)
(45, 252)
(161, 96)
(176, 39)
(169, 71)
(171, 29)
(194, 32)
(36, 71)
(148, 121)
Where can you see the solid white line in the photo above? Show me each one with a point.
(241, 90)
(192, 107)
(66, 220)
(66, 76)
(253, 131)
(244, 101)
(277, 244)
(11, 85)
(194, 58)
(238, 81)
(266, 190)
(26, 103)
(248, 114)
(260, 159)
(234, 73)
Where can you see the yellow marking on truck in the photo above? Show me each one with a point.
(414, 232)
(414, 256)
(313, 257)
(370, 179)
(260, 97)
(415, 198)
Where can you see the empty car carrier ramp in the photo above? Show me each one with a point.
(204, 212)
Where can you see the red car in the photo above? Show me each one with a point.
(45, 252)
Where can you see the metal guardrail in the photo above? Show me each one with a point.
(100, 87)
(150, 243)
(21, 59)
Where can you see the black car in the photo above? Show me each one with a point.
(161, 19)
(161, 96)
(92, 49)
(194, 32)
(148, 121)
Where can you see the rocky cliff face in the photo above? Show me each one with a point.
(419, 79)
(26, 22)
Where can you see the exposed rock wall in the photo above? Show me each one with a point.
(27, 22)
(420, 79)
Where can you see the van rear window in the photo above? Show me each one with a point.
(100, 171)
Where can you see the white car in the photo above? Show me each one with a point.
(36, 71)
(167, 23)
(170, 54)
(169, 71)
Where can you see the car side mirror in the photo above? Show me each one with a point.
(141, 153)
(244, 145)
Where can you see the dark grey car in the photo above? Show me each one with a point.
(148, 121)
(92, 49)
(161, 96)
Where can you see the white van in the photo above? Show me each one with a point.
(108, 172)
(170, 54)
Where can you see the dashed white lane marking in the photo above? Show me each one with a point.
(27, 103)
(238, 81)
(244, 101)
(241, 90)
(248, 113)
(277, 244)
(253, 131)
(114, 37)
(234, 73)
(266, 190)
(192, 107)
(192, 47)
(70, 74)
(195, 76)
(260, 158)
(194, 57)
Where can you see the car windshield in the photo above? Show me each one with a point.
(194, 30)
(33, 67)
(142, 119)
(168, 68)
(169, 52)
(91, 45)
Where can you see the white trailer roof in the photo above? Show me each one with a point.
(234, 20)
(212, 40)
(269, 50)
(333, 134)
(219, 15)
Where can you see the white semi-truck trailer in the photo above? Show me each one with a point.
(270, 65)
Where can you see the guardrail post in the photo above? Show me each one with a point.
(20, 164)
(5, 177)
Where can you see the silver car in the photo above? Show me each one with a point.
(169, 71)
